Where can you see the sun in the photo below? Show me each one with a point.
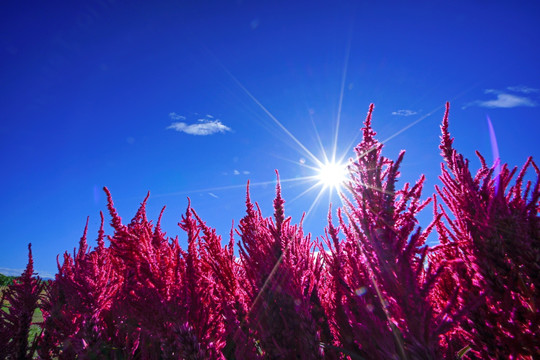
(332, 175)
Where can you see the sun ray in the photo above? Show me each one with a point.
(303, 193)
(272, 117)
(230, 187)
(263, 108)
(349, 188)
(296, 162)
(341, 95)
(317, 135)
(410, 125)
(314, 203)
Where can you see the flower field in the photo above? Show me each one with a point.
(369, 288)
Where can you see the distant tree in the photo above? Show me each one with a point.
(6, 280)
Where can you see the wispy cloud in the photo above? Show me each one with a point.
(213, 195)
(201, 127)
(523, 89)
(238, 172)
(175, 116)
(509, 98)
(404, 112)
(507, 101)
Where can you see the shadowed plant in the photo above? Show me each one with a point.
(21, 300)
(492, 225)
(382, 297)
(280, 274)
(77, 307)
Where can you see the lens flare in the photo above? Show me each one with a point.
(495, 152)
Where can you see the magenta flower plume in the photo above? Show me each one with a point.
(369, 289)
(280, 272)
(494, 228)
(77, 310)
(222, 268)
(22, 299)
(357, 321)
(389, 254)
(141, 297)
(167, 303)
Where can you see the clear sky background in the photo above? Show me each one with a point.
(193, 98)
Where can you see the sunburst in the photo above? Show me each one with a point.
(328, 172)
(332, 175)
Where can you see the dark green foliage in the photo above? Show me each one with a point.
(6, 280)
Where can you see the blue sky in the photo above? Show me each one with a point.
(195, 98)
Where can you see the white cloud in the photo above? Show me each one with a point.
(513, 96)
(236, 172)
(213, 195)
(404, 112)
(523, 89)
(175, 116)
(504, 100)
(203, 127)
